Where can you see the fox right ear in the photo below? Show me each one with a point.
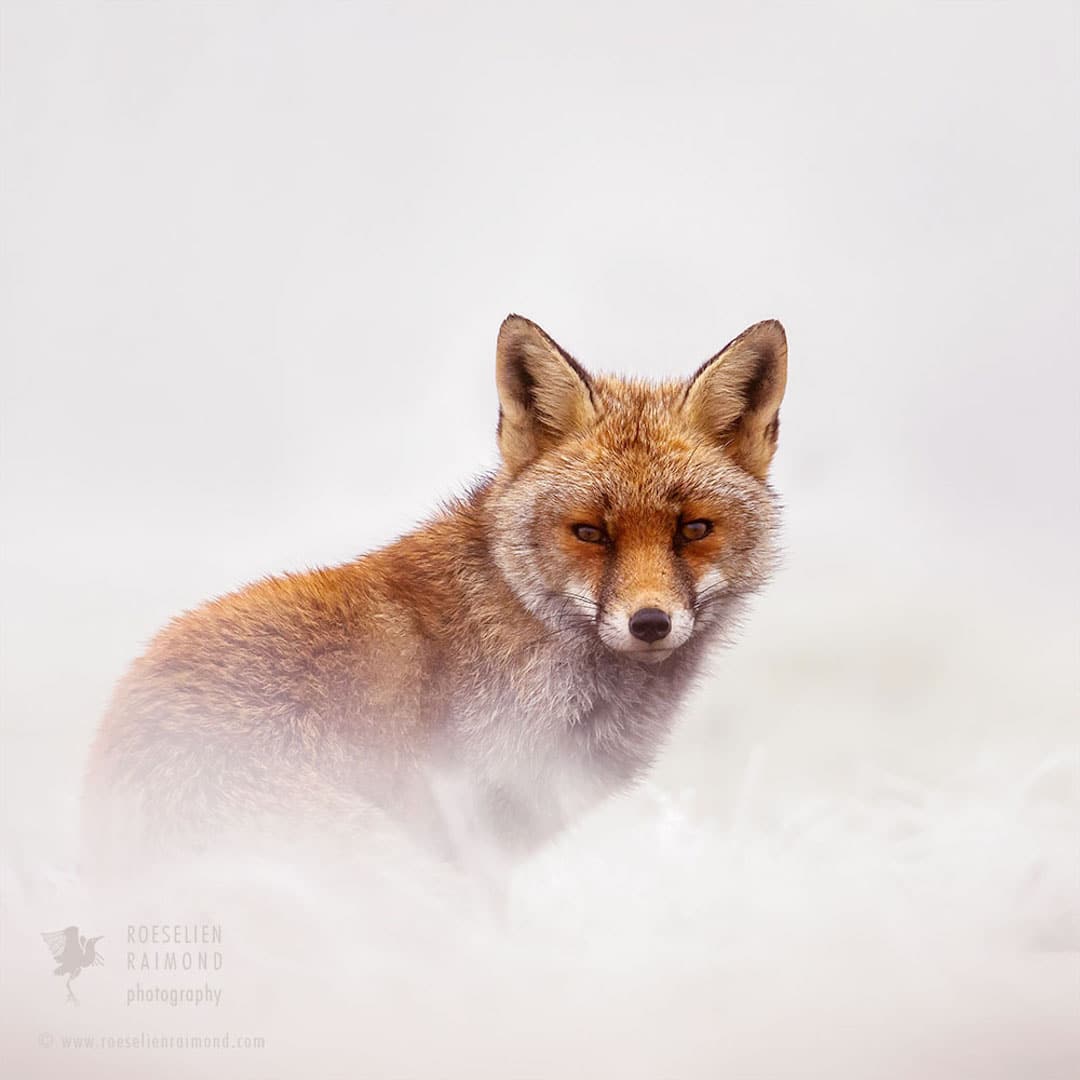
(544, 393)
(735, 397)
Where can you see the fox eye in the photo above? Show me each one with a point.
(591, 534)
(695, 530)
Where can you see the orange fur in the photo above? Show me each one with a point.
(475, 681)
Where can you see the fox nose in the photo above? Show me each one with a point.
(650, 624)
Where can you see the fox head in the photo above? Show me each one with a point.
(630, 513)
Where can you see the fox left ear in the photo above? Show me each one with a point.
(545, 395)
(736, 395)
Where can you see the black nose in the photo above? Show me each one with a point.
(650, 624)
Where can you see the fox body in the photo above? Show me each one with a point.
(484, 679)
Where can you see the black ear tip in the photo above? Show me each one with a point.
(514, 319)
(515, 328)
(770, 327)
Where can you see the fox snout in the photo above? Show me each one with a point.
(644, 630)
(650, 624)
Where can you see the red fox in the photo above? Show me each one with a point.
(489, 676)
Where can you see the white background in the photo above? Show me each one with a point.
(253, 262)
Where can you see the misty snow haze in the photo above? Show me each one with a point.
(254, 261)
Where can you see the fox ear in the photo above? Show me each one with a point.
(736, 395)
(544, 393)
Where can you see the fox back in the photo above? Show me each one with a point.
(483, 680)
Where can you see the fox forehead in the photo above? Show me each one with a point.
(633, 412)
(639, 456)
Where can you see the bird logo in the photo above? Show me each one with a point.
(72, 953)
